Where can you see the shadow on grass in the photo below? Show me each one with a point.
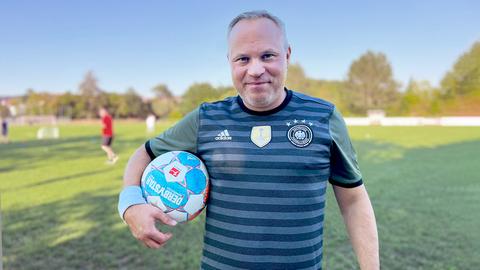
(427, 204)
(29, 154)
(58, 179)
(85, 232)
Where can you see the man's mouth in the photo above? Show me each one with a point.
(257, 83)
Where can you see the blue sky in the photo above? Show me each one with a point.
(50, 45)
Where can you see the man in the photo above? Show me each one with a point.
(150, 123)
(107, 135)
(270, 153)
(4, 114)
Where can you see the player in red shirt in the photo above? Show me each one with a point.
(107, 135)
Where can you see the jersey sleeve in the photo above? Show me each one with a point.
(180, 137)
(344, 169)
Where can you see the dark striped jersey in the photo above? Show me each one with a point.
(269, 173)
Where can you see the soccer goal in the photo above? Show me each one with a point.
(48, 133)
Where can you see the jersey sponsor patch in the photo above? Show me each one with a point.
(300, 135)
(261, 135)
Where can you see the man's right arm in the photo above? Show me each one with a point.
(141, 218)
(135, 167)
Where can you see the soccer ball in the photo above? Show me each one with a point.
(176, 182)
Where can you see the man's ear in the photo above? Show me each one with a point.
(289, 52)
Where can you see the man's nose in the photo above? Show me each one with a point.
(256, 68)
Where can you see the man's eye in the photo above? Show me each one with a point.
(242, 59)
(268, 56)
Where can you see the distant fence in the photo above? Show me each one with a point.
(413, 121)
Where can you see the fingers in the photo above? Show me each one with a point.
(156, 236)
(164, 218)
(157, 241)
(151, 236)
(141, 220)
(152, 244)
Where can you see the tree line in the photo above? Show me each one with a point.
(370, 85)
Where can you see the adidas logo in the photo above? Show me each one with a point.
(223, 136)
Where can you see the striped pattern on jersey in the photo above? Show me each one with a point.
(266, 205)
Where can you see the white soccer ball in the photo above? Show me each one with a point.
(176, 182)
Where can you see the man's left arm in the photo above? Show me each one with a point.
(352, 197)
(359, 218)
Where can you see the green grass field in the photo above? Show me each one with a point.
(59, 199)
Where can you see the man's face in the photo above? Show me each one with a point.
(102, 112)
(258, 61)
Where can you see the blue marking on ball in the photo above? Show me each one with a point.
(188, 159)
(172, 194)
(196, 181)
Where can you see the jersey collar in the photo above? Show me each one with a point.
(285, 102)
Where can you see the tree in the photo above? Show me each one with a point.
(196, 94)
(418, 99)
(164, 101)
(331, 91)
(297, 80)
(89, 91)
(40, 103)
(162, 91)
(370, 83)
(115, 103)
(131, 105)
(464, 78)
(66, 105)
(226, 91)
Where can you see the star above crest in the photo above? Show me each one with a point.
(295, 121)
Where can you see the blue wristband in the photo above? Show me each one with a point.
(130, 195)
